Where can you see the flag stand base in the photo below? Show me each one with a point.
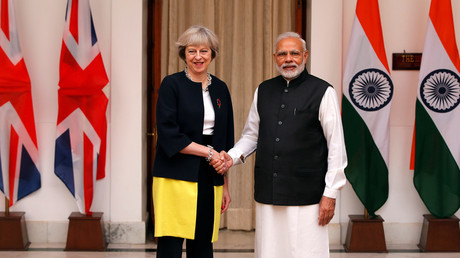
(13, 232)
(365, 235)
(440, 235)
(86, 232)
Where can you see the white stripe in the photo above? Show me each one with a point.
(362, 56)
(435, 57)
(16, 173)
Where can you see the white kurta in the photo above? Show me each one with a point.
(274, 223)
(290, 232)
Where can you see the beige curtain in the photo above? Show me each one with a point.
(246, 30)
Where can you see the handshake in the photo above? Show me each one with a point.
(221, 162)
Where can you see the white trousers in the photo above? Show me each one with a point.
(290, 232)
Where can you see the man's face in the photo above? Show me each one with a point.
(289, 58)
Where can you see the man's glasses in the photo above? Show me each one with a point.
(283, 54)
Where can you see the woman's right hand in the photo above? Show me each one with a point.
(222, 163)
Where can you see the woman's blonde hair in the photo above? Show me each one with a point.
(197, 35)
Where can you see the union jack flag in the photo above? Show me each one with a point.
(19, 175)
(81, 134)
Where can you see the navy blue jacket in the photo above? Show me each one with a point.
(180, 114)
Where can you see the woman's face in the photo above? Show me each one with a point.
(198, 59)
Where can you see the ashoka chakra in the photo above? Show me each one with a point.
(371, 89)
(440, 90)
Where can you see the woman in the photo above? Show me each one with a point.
(195, 123)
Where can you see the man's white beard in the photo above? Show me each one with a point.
(289, 75)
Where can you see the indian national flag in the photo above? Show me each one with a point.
(367, 90)
(437, 116)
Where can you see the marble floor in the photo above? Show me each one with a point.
(231, 244)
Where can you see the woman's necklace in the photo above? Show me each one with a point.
(209, 79)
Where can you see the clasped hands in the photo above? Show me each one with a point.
(221, 162)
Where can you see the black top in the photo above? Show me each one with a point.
(180, 115)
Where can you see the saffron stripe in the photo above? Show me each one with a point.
(369, 16)
(443, 22)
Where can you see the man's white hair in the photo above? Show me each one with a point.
(290, 34)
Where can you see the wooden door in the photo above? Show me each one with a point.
(153, 84)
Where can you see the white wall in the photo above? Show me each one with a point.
(120, 27)
(128, 166)
(404, 26)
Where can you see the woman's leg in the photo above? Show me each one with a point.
(169, 247)
(201, 246)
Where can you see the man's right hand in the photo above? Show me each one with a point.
(227, 159)
(223, 164)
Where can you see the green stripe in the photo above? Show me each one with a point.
(436, 174)
(366, 170)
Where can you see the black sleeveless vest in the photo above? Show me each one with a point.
(291, 159)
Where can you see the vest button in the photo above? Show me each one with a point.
(276, 157)
(280, 122)
(283, 106)
(286, 90)
(277, 139)
(275, 174)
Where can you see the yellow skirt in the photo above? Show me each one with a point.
(175, 206)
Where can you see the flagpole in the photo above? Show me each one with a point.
(366, 214)
(7, 207)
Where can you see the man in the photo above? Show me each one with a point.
(294, 123)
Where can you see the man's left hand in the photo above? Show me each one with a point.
(326, 210)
